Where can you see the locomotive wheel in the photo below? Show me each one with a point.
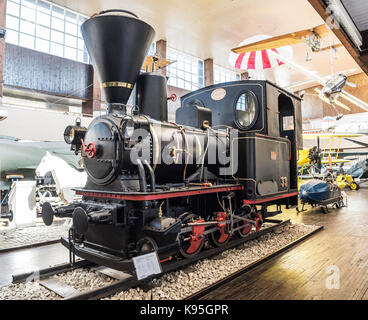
(146, 245)
(245, 230)
(218, 239)
(220, 236)
(259, 222)
(247, 226)
(190, 248)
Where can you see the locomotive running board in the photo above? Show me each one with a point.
(135, 196)
(98, 257)
(141, 196)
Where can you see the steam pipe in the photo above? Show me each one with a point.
(142, 177)
(152, 175)
(142, 180)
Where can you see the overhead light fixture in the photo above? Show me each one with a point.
(3, 115)
(340, 15)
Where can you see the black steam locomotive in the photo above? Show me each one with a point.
(155, 185)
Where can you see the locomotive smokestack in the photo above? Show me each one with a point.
(117, 42)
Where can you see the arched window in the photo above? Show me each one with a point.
(246, 110)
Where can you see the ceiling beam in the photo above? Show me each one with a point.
(361, 60)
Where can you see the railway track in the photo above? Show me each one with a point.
(123, 281)
(29, 246)
(48, 272)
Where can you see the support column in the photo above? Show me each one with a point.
(208, 72)
(161, 48)
(2, 44)
(94, 104)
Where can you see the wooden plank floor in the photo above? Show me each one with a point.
(302, 272)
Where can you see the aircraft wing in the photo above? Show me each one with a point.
(17, 154)
(283, 40)
(336, 161)
(344, 154)
(58, 148)
(330, 135)
(360, 143)
(14, 156)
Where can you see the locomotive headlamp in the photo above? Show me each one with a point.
(73, 135)
(69, 134)
(127, 128)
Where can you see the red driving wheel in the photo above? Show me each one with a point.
(259, 222)
(246, 229)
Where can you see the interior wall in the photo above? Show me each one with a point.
(45, 125)
(42, 72)
(37, 124)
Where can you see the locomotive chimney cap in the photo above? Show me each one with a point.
(117, 42)
(115, 12)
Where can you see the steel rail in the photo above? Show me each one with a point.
(48, 272)
(29, 246)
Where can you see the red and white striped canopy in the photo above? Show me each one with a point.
(258, 60)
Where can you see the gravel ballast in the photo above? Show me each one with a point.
(14, 238)
(82, 280)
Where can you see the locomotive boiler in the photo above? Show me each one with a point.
(171, 187)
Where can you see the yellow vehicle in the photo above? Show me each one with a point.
(346, 180)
